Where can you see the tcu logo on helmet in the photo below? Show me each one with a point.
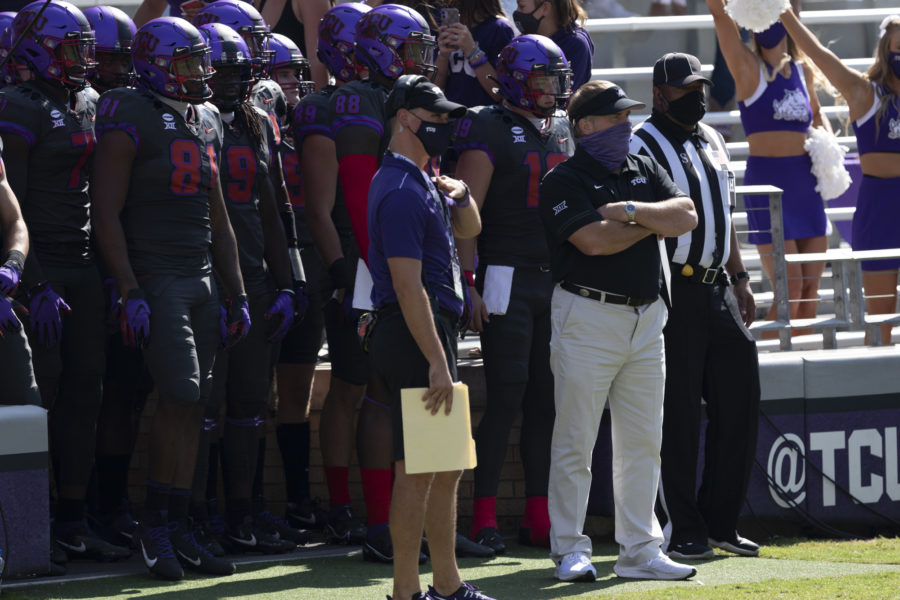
(145, 43)
(379, 22)
(28, 17)
(332, 24)
(202, 18)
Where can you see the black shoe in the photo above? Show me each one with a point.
(690, 551)
(490, 537)
(194, 556)
(305, 515)
(58, 556)
(466, 591)
(116, 527)
(280, 529)
(736, 545)
(208, 538)
(79, 542)
(156, 549)
(345, 528)
(249, 538)
(466, 548)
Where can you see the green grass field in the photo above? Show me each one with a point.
(788, 569)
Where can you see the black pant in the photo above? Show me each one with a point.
(709, 354)
(517, 374)
(399, 363)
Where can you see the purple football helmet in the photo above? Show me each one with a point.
(7, 73)
(172, 59)
(114, 32)
(247, 21)
(287, 55)
(233, 78)
(337, 34)
(395, 40)
(530, 67)
(60, 45)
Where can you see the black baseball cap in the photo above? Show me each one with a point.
(678, 69)
(416, 91)
(605, 102)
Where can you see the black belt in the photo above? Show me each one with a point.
(698, 274)
(601, 296)
(392, 308)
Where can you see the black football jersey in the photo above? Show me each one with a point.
(242, 165)
(166, 211)
(511, 229)
(56, 203)
(312, 116)
(361, 103)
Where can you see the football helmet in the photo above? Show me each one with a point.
(286, 55)
(247, 21)
(171, 58)
(337, 34)
(114, 33)
(7, 73)
(59, 46)
(532, 66)
(394, 40)
(230, 58)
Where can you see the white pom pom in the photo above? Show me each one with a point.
(832, 178)
(756, 15)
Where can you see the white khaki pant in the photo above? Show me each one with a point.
(597, 351)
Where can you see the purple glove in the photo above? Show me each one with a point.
(46, 308)
(283, 309)
(235, 322)
(11, 271)
(8, 320)
(135, 320)
(9, 279)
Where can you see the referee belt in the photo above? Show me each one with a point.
(606, 297)
(698, 274)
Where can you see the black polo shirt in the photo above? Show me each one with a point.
(569, 197)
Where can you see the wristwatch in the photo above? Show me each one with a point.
(738, 276)
(630, 210)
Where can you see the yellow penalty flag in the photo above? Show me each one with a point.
(441, 442)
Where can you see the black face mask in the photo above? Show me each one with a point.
(435, 137)
(688, 109)
(527, 22)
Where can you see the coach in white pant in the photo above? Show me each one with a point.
(604, 210)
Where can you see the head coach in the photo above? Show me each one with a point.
(604, 210)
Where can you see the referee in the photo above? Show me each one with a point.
(709, 351)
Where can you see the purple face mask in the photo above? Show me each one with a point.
(610, 146)
(770, 38)
(894, 61)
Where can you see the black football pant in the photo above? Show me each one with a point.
(516, 349)
(70, 376)
(17, 383)
(709, 354)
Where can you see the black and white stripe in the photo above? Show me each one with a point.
(695, 172)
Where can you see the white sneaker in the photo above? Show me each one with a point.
(661, 567)
(576, 567)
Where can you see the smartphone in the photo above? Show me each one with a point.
(449, 16)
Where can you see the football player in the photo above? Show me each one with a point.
(504, 151)
(47, 127)
(161, 225)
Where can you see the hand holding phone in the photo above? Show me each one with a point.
(449, 16)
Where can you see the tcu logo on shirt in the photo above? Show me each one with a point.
(638, 180)
(894, 129)
(790, 108)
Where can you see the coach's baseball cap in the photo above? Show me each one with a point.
(416, 91)
(593, 101)
(678, 69)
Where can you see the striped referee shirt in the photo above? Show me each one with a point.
(697, 161)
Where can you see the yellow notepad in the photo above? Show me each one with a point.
(440, 442)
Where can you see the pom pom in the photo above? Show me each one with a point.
(832, 178)
(756, 15)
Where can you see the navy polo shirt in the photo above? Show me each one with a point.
(408, 218)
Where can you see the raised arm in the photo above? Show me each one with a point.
(742, 63)
(851, 84)
(149, 9)
(311, 12)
